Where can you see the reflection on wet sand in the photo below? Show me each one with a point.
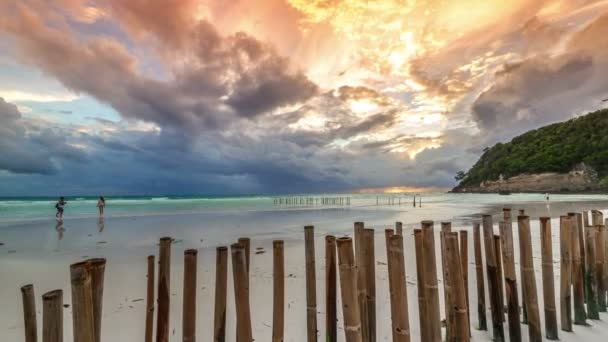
(60, 229)
(101, 224)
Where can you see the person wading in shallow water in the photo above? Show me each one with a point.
(101, 204)
(59, 206)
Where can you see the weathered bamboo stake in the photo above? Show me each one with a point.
(546, 248)
(164, 294)
(369, 260)
(464, 262)
(597, 218)
(241, 292)
(311, 284)
(498, 251)
(397, 285)
(330, 290)
(599, 263)
(278, 302)
(422, 306)
(52, 316)
(430, 279)
(605, 243)
(590, 277)
(97, 269)
(221, 285)
(246, 242)
(82, 303)
(586, 218)
(459, 306)
(493, 279)
(446, 227)
(481, 291)
(361, 279)
(149, 334)
(348, 287)
(399, 228)
(578, 291)
(528, 280)
(29, 313)
(524, 310)
(189, 302)
(506, 239)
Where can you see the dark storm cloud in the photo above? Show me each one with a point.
(544, 89)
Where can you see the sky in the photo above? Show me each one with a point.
(121, 97)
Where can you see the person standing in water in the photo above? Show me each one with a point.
(59, 206)
(101, 204)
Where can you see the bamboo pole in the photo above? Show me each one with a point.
(528, 279)
(97, 269)
(311, 284)
(164, 294)
(278, 302)
(399, 228)
(605, 245)
(246, 242)
(29, 313)
(464, 262)
(497, 250)
(82, 303)
(546, 248)
(577, 272)
(508, 256)
(348, 287)
(590, 277)
(422, 305)
(600, 252)
(493, 279)
(361, 279)
(586, 218)
(597, 218)
(446, 227)
(481, 292)
(330, 289)
(149, 334)
(189, 302)
(221, 285)
(369, 258)
(400, 321)
(459, 307)
(241, 292)
(52, 316)
(430, 278)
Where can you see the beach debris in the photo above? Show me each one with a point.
(1, 243)
(174, 241)
(260, 252)
(101, 242)
(381, 263)
(137, 300)
(12, 251)
(66, 306)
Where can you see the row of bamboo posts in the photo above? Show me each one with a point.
(398, 200)
(582, 293)
(308, 201)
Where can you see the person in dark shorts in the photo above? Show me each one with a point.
(59, 206)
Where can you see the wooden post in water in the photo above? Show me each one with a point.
(422, 306)
(369, 261)
(82, 303)
(511, 295)
(164, 294)
(221, 285)
(241, 293)
(498, 251)
(546, 248)
(149, 333)
(278, 302)
(600, 252)
(29, 313)
(460, 330)
(481, 291)
(431, 292)
(52, 316)
(464, 262)
(446, 227)
(397, 285)
(348, 285)
(528, 279)
(311, 283)
(331, 316)
(361, 279)
(578, 291)
(189, 302)
(399, 228)
(590, 277)
(493, 279)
